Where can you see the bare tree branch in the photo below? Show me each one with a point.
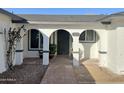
(14, 36)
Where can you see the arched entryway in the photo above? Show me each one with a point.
(62, 39)
(89, 47)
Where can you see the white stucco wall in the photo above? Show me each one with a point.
(116, 50)
(3, 65)
(5, 22)
(27, 53)
(103, 47)
(88, 50)
(112, 50)
(120, 50)
(93, 47)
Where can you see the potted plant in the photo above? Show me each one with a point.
(53, 49)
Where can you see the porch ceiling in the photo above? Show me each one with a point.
(61, 18)
(90, 25)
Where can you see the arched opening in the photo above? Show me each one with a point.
(62, 40)
(33, 44)
(88, 44)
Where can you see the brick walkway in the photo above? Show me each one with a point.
(61, 71)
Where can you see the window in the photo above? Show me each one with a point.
(35, 40)
(88, 36)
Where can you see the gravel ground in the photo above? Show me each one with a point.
(30, 72)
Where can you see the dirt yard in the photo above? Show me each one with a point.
(30, 72)
(90, 72)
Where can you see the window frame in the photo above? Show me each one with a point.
(29, 42)
(88, 41)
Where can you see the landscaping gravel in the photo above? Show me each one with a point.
(30, 72)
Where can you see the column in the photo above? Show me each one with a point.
(19, 53)
(103, 48)
(45, 50)
(75, 51)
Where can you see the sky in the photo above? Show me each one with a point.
(64, 11)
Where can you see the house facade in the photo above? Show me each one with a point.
(76, 36)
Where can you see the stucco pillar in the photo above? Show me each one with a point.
(19, 53)
(2, 54)
(103, 48)
(75, 51)
(45, 50)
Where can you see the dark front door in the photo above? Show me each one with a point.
(63, 42)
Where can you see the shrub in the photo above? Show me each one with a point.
(52, 48)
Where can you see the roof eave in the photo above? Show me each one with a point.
(20, 21)
(14, 18)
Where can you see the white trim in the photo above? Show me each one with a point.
(39, 22)
(39, 40)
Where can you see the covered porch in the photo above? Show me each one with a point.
(77, 40)
(77, 44)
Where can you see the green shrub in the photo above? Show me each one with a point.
(53, 48)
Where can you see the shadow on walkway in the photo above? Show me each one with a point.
(83, 75)
(61, 71)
